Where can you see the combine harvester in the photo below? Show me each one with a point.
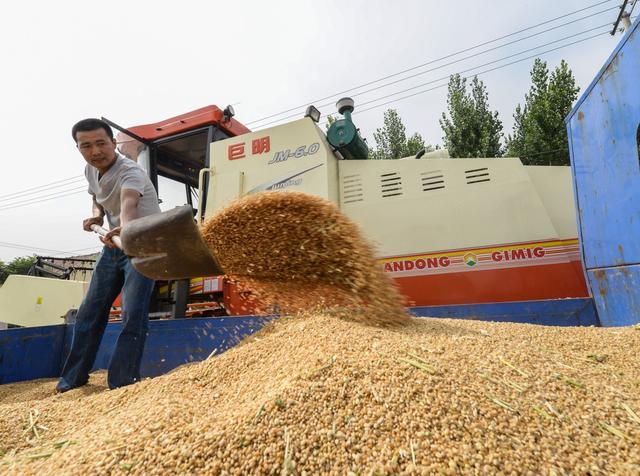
(474, 238)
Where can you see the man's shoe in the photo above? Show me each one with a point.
(63, 386)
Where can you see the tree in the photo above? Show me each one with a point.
(471, 129)
(515, 143)
(539, 132)
(391, 139)
(20, 265)
(415, 144)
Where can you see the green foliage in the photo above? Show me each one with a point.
(391, 139)
(471, 129)
(415, 144)
(20, 265)
(539, 133)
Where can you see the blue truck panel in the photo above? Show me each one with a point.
(171, 343)
(560, 312)
(608, 285)
(604, 143)
(603, 130)
(38, 352)
(31, 352)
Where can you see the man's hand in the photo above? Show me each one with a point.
(86, 224)
(107, 238)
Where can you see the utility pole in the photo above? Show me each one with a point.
(624, 17)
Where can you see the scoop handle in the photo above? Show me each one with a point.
(102, 232)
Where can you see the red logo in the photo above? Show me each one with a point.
(420, 263)
(261, 145)
(515, 255)
(236, 151)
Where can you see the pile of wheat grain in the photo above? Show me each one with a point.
(296, 251)
(318, 395)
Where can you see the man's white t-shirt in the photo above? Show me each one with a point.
(123, 174)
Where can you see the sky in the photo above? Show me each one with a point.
(145, 61)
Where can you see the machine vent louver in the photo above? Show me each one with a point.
(432, 180)
(352, 190)
(477, 175)
(391, 184)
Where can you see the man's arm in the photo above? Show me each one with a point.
(97, 217)
(129, 199)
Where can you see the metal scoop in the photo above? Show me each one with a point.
(169, 245)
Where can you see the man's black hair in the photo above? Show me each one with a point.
(91, 124)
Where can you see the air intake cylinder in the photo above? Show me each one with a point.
(343, 135)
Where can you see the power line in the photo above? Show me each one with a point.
(36, 199)
(76, 178)
(43, 199)
(485, 51)
(87, 248)
(442, 66)
(490, 63)
(41, 188)
(17, 246)
(483, 72)
(438, 59)
(35, 196)
(71, 180)
(357, 111)
(447, 77)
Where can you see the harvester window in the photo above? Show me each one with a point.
(178, 161)
(181, 159)
(173, 163)
(172, 194)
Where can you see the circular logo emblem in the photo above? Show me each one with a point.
(470, 259)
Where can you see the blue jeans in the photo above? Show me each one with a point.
(113, 272)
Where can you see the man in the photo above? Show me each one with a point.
(122, 191)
